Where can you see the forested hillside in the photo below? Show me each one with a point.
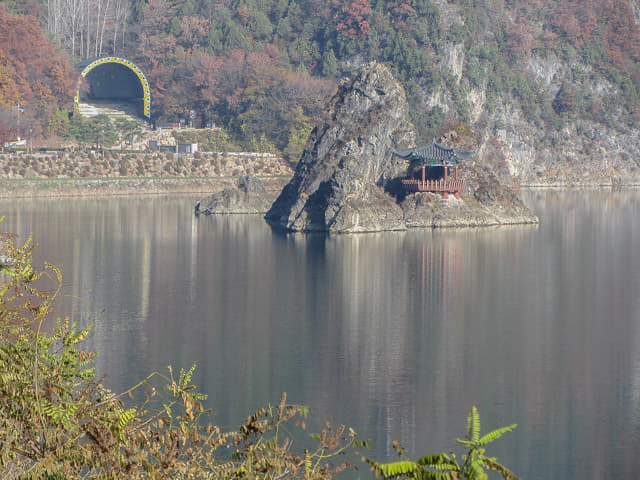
(36, 79)
(263, 69)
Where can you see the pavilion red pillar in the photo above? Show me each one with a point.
(446, 172)
(424, 176)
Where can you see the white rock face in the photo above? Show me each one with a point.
(453, 59)
(583, 153)
(439, 98)
(450, 13)
(635, 4)
(519, 144)
(477, 100)
(548, 70)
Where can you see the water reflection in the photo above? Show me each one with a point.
(397, 334)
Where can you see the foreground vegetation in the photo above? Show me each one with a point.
(472, 465)
(58, 421)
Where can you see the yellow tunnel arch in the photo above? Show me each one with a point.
(122, 61)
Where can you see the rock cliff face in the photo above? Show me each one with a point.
(339, 184)
(581, 153)
(348, 178)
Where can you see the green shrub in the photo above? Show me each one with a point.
(442, 466)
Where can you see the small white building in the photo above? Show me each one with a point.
(187, 148)
(20, 142)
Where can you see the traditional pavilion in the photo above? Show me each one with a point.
(435, 155)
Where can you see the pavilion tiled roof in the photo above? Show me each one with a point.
(434, 154)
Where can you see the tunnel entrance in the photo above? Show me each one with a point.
(113, 86)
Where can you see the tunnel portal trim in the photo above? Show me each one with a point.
(122, 61)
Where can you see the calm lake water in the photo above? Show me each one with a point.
(394, 334)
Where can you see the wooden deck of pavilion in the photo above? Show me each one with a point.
(436, 155)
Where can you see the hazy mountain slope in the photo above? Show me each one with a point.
(546, 91)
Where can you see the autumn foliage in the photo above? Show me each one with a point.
(263, 69)
(34, 76)
(352, 18)
(31, 68)
(610, 22)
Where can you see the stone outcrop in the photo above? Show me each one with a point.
(249, 195)
(582, 150)
(341, 180)
(348, 179)
(484, 202)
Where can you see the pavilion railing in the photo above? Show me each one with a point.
(449, 186)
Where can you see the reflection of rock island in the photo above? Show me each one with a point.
(349, 180)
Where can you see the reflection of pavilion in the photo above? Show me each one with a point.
(438, 156)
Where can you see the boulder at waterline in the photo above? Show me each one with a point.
(249, 195)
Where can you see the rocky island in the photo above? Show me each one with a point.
(349, 179)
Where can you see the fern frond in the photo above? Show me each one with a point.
(439, 476)
(496, 434)
(395, 469)
(496, 466)
(125, 417)
(185, 378)
(412, 470)
(439, 461)
(60, 413)
(71, 334)
(307, 463)
(473, 425)
(476, 472)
